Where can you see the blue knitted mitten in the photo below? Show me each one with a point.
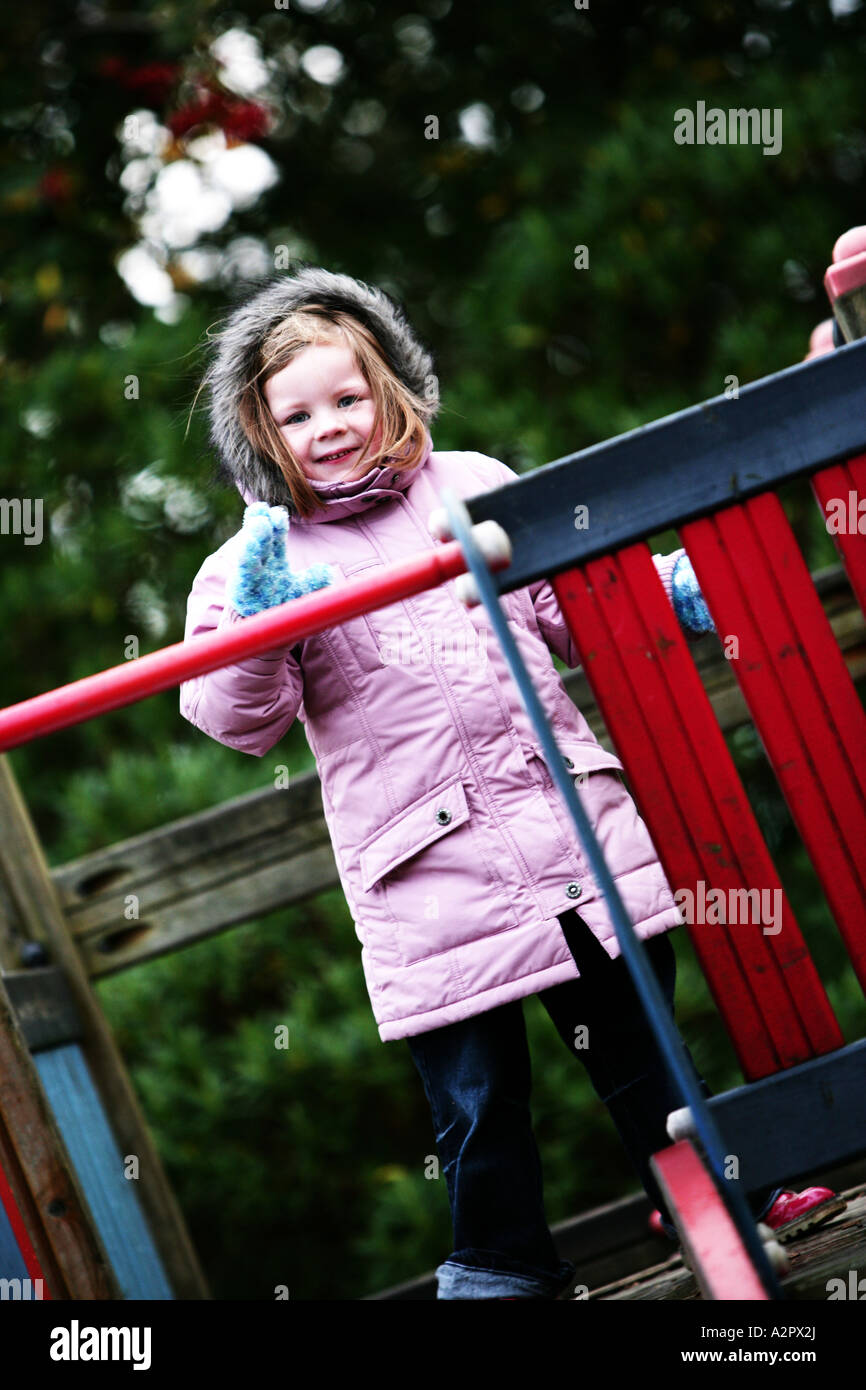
(689, 605)
(260, 577)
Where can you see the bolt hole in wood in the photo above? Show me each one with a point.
(126, 936)
(98, 882)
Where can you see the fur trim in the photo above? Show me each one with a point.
(232, 363)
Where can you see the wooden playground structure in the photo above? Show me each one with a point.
(85, 1206)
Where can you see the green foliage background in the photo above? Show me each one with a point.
(306, 1167)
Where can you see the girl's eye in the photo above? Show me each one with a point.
(350, 396)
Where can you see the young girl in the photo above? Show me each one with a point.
(459, 863)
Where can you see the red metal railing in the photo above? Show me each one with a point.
(277, 627)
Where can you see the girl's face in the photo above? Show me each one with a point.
(324, 409)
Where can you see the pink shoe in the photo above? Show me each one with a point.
(794, 1213)
(791, 1215)
(655, 1225)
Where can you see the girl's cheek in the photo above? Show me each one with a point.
(295, 440)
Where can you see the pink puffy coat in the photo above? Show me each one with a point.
(453, 847)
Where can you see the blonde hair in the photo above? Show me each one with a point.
(401, 413)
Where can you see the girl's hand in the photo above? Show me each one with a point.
(260, 577)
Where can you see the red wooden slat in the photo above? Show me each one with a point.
(716, 1252)
(838, 482)
(798, 690)
(689, 794)
(604, 663)
(719, 803)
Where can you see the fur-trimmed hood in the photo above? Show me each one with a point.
(231, 364)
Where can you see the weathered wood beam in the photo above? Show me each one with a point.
(197, 876)
(41, 1179)
(762, 1122)
(790, 424)
(30, 910)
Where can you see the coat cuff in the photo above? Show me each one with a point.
(665, 567)
(227, 618)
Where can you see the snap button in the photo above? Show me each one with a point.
(574, 890)
(443, 817)
(567, 760)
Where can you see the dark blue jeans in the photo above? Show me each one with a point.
(477, 1079)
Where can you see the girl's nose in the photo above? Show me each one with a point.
(328, 423)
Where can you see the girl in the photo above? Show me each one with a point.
(458, 861)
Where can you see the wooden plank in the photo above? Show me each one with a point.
(32, 912)
(166, 925)
(709, 1237)
(51, 1028)
(668, 1282)
(762, 1123)
(829, 1252)
(838, 482)
(47, 1213)
(729, 706)
(614, 1253)
(198, 875)
(776, 964)
(647, 753)
(800, 695)
(100, 1169)
(687, 465)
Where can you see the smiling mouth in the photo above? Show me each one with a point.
(335, 458)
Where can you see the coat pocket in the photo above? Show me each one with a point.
(575, 757)
(622, 835)
(356, 638)
(429, 872)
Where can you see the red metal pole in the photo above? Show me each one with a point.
(276, 627)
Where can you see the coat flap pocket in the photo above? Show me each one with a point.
(579, 757)
(429, 818)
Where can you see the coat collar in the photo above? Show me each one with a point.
(353, 495)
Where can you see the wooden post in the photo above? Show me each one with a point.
(715, 1249)
(59, 1244)
(30, 911)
